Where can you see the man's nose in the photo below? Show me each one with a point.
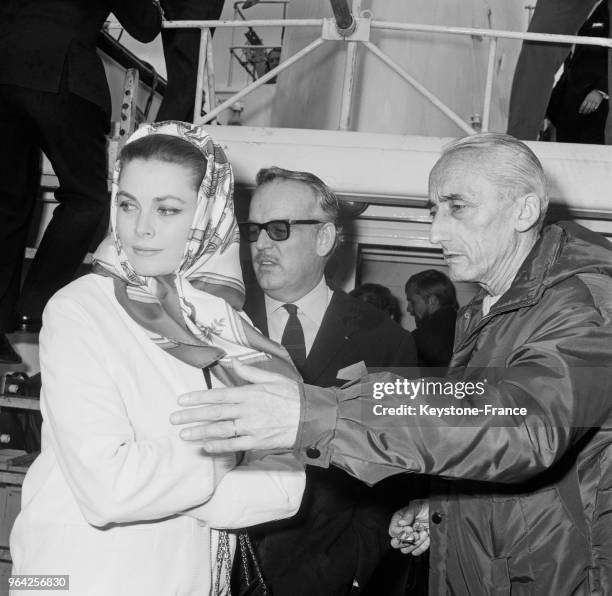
(438, 232)
(263, 240)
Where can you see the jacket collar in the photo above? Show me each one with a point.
(529, 282)
(526, 288)
(562, 250)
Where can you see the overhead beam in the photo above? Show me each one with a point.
(394, 169)
(344, 18)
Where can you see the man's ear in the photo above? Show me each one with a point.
(326, 239)
(528, 212)
(433, 303)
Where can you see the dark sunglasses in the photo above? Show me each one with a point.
(277, 229)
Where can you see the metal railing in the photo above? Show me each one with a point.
(360, 33)
(254, 56)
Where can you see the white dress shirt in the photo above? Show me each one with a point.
(311, 309)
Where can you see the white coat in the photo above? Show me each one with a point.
(116, 499)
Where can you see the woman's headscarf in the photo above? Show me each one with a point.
(206, 329)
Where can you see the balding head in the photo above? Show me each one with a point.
(506, 162)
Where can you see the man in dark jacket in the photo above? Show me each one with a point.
(519, 432)
(334, 543)
(538, 62)
(432, 301)
(578, 105)
(54, 96)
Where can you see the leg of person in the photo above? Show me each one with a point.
(181, 51)
(568, 123)
(538, 62)
(565, 133)
(592, 127)
(19, 180)
(73, 136)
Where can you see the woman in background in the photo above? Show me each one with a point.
(116, 500)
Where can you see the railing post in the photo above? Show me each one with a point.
(211, 94)
(197, 107)
(486, 110)
(349, 77)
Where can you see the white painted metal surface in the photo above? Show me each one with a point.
(393, 169)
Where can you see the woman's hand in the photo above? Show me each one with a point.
(409, 528)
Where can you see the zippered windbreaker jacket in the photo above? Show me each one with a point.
(521, 501)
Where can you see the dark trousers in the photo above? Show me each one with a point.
(181, 51)
(71, 131)
(587, 128)
(538, 63)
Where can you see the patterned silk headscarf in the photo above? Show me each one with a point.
(205, 330)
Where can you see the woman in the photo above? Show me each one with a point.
(116, 499)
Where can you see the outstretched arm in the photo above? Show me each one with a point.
(560, 375)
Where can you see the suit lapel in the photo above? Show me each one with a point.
(339, 323)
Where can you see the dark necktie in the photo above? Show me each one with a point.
(293, 337)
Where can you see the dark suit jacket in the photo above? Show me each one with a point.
(41, 40)
(341, 530)
(351, 331)
(584, 70)
(434, 339)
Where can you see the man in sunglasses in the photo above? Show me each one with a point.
(340, 534)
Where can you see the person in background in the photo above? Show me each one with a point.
(432, 301)
(579, 103)
(54, 97)
(181, 52)
(335, 542)
(538, 62)
(379, 296)
(520, 495)
(115, 499)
